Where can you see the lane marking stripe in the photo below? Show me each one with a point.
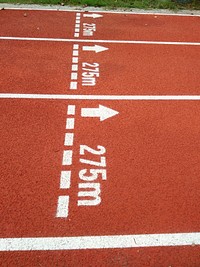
(71, 110)
(97, 242)
(70, 123)
(69, 139)
(63, 207)
(100, 97)
(60, 9)
(74, 76)
(67, 157)
(75, 66)
(75, 60)
(75, 53)
(73, 85)
(65, 179)
(99, 41)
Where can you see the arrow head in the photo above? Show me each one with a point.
(99, 48)
(106, 113)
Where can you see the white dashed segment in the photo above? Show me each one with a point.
(65, 175)
(73, 85)
(67, 157)
(74, 67)
(77, 25)
(65, 179)
(74, 73)
(70, 123)
(69, 139)
(71, 110)
(63, 207)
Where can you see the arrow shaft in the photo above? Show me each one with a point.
(88, 16)
(90, 112)
(88, 48)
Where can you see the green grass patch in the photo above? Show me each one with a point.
(141, 4)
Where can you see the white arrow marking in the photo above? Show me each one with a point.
(95, 48)
(102, 112)
(94, 16)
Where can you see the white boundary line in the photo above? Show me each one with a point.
(100, 97)
(163, 12)
(98, 41)
(99, 242)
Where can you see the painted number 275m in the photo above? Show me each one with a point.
(89, 191)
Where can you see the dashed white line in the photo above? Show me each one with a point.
(74, 67)
(75, 46)
(71, 110)
(63, 207)
(67, 157)
(65, 179)
(69, 139)
(70, 123)
(74, 76)
(73, 85)
(75, 53)
(75, 60)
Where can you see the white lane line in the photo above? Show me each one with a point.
(67, 157)
(75, 60)
(63, 207)
(100, 41)
(76, 46)
(71, 110)
(101, 97)
(74, 67)
(73, 85)
(75, 53)
(65, 179)
(76, 34)
(63, 9)
(98, 242)
(74, 76)
(70, 123)
(69, 139)
(77, 29)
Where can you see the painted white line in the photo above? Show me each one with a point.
(65, 9)
(77, 25)
(71, 110)
(99, 242)
(100, 41)
(78, 15)
(101, 97)
(67, 157)
(69, 139)
(75, 53)
(147, 13)
(76, 34)
(73, 85)
(74, 67)
(75, 60)
(77, 29)
(76, 46)
(70, 123)
(65, 179)
(63, 207)
(74, 76)
(78, 21)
